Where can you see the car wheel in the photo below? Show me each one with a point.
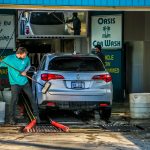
(105, 113)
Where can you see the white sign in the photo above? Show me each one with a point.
(107, 31)
(6, 31)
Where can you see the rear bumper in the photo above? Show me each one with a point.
(74, 101)
(75, 105)
(107, 97)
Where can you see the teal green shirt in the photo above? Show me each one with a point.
(20, 64)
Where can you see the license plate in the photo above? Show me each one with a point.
(77, 85)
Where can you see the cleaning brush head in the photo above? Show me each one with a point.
(46, 87)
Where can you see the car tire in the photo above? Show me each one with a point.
(105, 113)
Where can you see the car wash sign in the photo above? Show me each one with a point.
(107, 31)
(7, 34)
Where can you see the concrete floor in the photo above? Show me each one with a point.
(74, 141)
(77, 139)
(80, 139)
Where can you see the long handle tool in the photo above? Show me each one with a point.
(33, 119)
(59, 126)
(46, 86)
(30, 115)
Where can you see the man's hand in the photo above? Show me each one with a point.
(23, 73)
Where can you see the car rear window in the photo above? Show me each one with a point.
(47, 18)
(76, 64)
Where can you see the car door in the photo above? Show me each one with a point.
(36, 86)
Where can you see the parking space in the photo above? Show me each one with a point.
(82, 136)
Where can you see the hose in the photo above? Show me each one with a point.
(32, 122)
(28, 109)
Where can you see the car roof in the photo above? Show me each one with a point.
(70, 54)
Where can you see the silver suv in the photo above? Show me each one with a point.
(78, 82)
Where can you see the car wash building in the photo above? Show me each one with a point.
(122, 27)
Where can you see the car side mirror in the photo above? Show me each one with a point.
(34, 72)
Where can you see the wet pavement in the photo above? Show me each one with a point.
(81, 139)
(74, 141)
(83, 135)
(119, 133)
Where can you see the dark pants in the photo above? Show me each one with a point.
(76, 32)
(16, 89)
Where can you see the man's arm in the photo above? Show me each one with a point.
(3, 64)
(24, 73)
(26, 70)
(69, 20)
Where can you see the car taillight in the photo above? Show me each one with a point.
(51, 104)
(27, 31)
(47, 77)
(103, 105)
(105, 77)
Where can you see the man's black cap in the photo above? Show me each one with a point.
(75, 14)
(98, 46)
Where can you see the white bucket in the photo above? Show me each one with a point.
(139, 105)
(2, 112)
(6, 96)
(7, 99)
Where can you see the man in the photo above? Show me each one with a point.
(76, 23)
(99, 53)
(19, 81)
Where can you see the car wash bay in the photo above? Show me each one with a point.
(135, 45)
(127, 65)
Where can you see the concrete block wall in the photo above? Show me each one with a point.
(137, 37)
